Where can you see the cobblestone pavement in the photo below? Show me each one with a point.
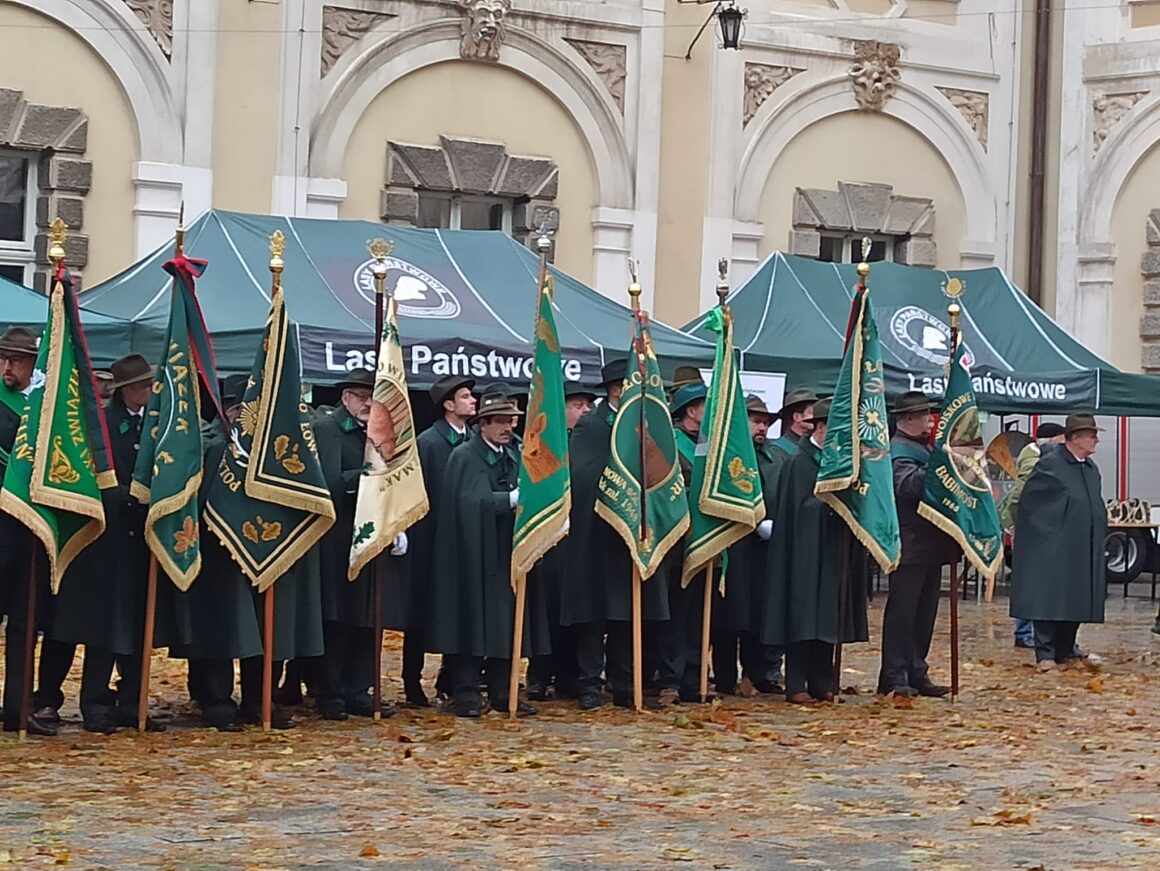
(1055, 771)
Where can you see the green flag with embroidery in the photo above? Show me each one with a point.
(60, 460)
(957, 496)
(642, 492)
(268, 502)
(545, 480)
(169, 460)
(726, 503)
(855, 476)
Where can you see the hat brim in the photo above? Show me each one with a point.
(491, 412)
(17, 349)
(917, 409)
(144, 376)
(1076, 429)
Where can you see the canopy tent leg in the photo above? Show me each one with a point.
(1123, 425)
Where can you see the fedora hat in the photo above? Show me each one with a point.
(754, 404)
(686, 375)
(496, 405)
(822, 410)
(446, 388)
(130, 370)
(575, 388)
(18, 340)
(795, 399)
(912, 402)
(1080, 422)
(613, 372)
(686, 395)
(1048, 430)
(357, 378)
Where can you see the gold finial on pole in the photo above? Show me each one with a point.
(954, 311)
(179, 236)
(379, 249)
(56, 242)
(277, 247)
(722, 281)
(634, 289)
(864, 265)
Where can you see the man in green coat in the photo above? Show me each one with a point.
(680, 641)
(1059, 575)
(804, 576)
(455, 404)
(472, 616)
(596, 593)
(348, 665)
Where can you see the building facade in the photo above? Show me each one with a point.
(909, 121)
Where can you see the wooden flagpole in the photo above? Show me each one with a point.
(147, 645)
(634, 292)
(379, 251)
(955, 630)
(843, 594)
(268, 658)
(517, 647)
(29, 649)
(637, 643)
(706, 616)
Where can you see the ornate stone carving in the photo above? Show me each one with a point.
(1107, 110)
(865, 208)
(342, 28)
(610, 64)
(157, 15)
(874, 73)
(761, 80)
(973, 106)
(483, 28)
(1150, 321)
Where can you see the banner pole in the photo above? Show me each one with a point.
(637, 644)
(955, 630)
(268, 659)
(380, 277)
(517, 647)
(147, 645)
(706, 616)
(843, 592)
(29, 650)
(634, 292)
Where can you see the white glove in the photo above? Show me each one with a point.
(765, 530)
(399, 548)
(514, 498)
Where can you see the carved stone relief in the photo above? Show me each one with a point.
(157, 15)
(874, 73)
(342, 28)
(56, 137)
(610, 64)
(1150, 322)
(761, 80)
(865, 209)
(1107, 110)
(973, 106)
(483, 28)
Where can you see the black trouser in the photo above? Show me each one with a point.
(56, 660)
(14, 559)
(251, 680)
(1055, 639)
(465, 672)
(759, 662)
(600, 659)
(907, 626)
(97, 700)
(348, 666)
(214, 679)
(809, 668)
(559, 665)
(680, 640)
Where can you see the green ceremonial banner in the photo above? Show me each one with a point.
(643, 471)
(545, 480)
(269, 503)
(725, 479)
(169, 461)
(391, 494)
(957, 497)
(58, 463)
(856, 477)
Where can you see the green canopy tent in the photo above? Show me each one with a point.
(791, 317)
(466, 301)
(107, 337)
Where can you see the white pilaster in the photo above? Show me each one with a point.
(161, 188)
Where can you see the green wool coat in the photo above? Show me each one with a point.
(1059, 571)
(805, 559)
(435, 446)
(598, 583)
(341, 444)
(472, 609)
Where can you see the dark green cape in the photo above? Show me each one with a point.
(472, 604)
(435, 446)
(1059, 570)
(805, 563)
(598, 583)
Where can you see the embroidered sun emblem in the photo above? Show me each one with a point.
(248, 419)
(872, 420)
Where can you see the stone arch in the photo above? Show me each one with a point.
(124, 44)
(805, 101)
(384, 63)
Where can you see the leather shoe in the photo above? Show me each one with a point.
(590, 702)
(694, 698)
(416, 698)
(100, 725)
(824, 697)
(769, 687)
(333, 712)
(650, 703)
(469, 710)
(903, 690)
(291, 696)
(800, 699)
(48, 715)
(1025, 642)
(932, 690)
(279, 719)
(37, 726)
(127, 717)
(537, 692)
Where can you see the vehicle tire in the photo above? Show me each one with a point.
(1126, 552)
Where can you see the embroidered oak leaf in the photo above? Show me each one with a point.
(364, 533)
(539, 460)
(293, 463)
(250, 532)
(546, 335)
(742, 475)
(270, 531)
(165, 457)
(281, 445)
(185, 538)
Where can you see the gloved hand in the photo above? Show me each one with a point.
(399, 548)
(514, 498)
(765, 530)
